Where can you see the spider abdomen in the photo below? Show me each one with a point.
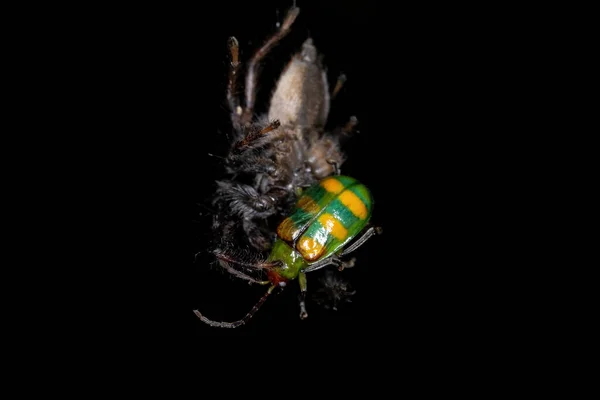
(301, 98)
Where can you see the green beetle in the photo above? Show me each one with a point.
(327, 216)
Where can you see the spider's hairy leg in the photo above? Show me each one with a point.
(242, 321)
(225, 263)
(253, 64)
(258, 164)
(338, 85)
(253, 135)
(222, 255)
(232, 84)
(257, 237)
(249, 209)
(348, 129)
(244, 200)
(336, 167)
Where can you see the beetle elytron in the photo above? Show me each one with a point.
(284, 196)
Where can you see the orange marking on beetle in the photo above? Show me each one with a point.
(306, 203)
(354, 204)
(309, 248)
(286, 229)
(333, 226)
(332, 185)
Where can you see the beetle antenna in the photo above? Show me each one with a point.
(241, 321)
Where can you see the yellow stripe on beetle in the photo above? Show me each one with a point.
(309, 248)
(307, 204)
(333, 226)
(354, 204)
(286, 229)
(332, 185)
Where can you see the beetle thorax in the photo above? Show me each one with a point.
(291, 259)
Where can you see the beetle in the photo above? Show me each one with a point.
(317, 233)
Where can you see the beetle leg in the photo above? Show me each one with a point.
(361, 240)
(333, 260)
(342, 265)
(302, 295)
(319, 264)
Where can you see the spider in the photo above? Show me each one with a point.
(273, 161)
